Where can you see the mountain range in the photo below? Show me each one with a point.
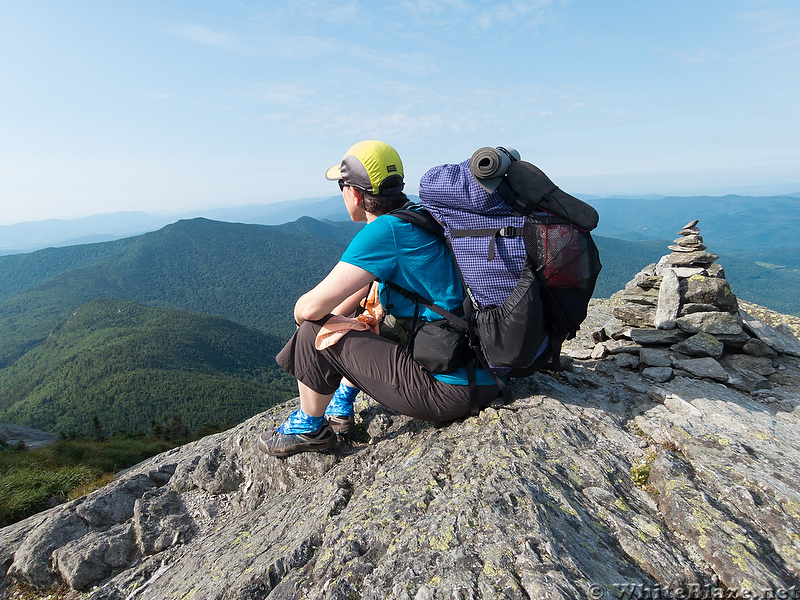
(730, 222)
(763, 228)
(35, 235)
(247, 275)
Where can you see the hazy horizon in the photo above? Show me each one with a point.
(201, 211)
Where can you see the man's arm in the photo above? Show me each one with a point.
(341, 284)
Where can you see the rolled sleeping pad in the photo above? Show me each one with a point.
(534, 186)
(488, 165)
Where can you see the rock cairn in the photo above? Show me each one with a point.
(680, 317)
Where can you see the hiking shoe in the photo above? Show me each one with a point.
(286, 444)
(341, 424)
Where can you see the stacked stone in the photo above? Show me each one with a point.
(679, 317)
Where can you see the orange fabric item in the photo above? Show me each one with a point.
(337, 325)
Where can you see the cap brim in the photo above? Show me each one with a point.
(334, 173)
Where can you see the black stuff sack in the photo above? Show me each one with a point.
(440, 347)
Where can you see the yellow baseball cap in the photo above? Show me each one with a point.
(371, 166)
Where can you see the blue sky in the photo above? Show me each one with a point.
(172, 106)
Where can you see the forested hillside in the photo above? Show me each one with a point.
(131, 366)
(20, 272)
(250, 274)
(621, 261)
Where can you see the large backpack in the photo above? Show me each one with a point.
(526, 257)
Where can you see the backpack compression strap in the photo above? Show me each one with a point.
(494, 233)
(413, 213)
(453, 319)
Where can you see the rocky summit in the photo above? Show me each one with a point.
(661, 463)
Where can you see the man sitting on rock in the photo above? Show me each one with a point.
(387, 250)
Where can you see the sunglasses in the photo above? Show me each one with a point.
(343, 184)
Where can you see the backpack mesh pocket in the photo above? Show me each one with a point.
(561, 253)
(512, 334)
(567, 263)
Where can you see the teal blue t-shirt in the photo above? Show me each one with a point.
(417, 260)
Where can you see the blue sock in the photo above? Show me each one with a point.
(300, 422)
(341, 405)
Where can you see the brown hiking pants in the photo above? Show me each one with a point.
(382, 369)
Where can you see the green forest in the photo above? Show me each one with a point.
(134, 367)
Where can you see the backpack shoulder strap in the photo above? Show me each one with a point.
(453, 319)
(416, 215)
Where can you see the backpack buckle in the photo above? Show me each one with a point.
(509, 231)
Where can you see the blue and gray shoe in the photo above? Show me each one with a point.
(286, 444)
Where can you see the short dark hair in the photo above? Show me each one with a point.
(381, 205)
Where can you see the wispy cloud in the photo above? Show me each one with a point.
(264, 41)
(203, 35)
(280, 93)
(276, 117)
(428, 8)
(526, 12)
(161, 96)
(770, 21)
(696, 56)
(773, 33)
(327, 11)
(778, 28)
(453, 117)
(413, 64)
(530, 13)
